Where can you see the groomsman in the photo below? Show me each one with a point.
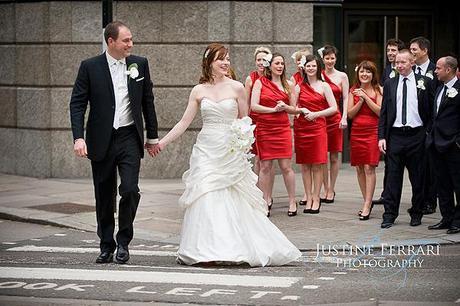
(393, 47)
(443, 142)
(420, 48)
(118, 88)
(403, 117)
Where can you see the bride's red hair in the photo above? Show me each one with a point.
(212, 52)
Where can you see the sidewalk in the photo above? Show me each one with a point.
(70, 203)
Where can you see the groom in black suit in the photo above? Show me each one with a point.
(443, 141)
(118, 88)
(403, 117)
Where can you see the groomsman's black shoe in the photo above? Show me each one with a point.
(105, 257)
(429, 209)
(122, 254)
(453, 230)
(380, 201)
(439, 226)
(386, 224)
(415, 221)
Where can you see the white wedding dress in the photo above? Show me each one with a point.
(225, 218)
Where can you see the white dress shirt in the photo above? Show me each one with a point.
(413, 118)
(449, 85)
(423, 67)
(123, 116)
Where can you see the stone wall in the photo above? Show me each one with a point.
(42, 44)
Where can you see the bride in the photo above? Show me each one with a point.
(225, 218)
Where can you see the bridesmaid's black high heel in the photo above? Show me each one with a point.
(363, 217)
(316, 211)
(302, 202)
(292, 213)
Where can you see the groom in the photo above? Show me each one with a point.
(118, 88)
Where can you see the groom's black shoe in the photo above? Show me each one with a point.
(105, 257)
(122, 254)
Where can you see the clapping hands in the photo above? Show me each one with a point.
(281, 106)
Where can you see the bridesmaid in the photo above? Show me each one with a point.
(259, 53)
(271, 100)
(338, 81)
(298, 76)
(315, 100)
(364, 104)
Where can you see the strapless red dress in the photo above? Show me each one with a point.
(310, 137)
(274, 136)
(254, 77)
(364, 149)
(334, 133)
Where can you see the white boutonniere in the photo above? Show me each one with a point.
(429, 74)
(132, 71)
(392, 73)
(421, 84)
(451, 92)
(267, 59)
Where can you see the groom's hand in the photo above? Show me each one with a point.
(79, 147)
(152, 149)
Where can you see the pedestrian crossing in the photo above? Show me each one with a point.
(148, 277)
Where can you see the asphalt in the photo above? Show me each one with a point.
(70, 203)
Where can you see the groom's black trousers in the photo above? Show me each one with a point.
(123, 153)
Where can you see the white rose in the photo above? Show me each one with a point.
(452, 92)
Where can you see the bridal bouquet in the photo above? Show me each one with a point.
(242, 137)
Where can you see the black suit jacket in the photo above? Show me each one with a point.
(444, 129)
(94, 85)
(388, 110)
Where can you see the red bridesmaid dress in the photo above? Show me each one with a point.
(334, 133)
(364, 136)
(274, 137)
(254, 77)
(297, 77)
(310, 136)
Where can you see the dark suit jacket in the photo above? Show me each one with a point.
(444, 130)
(388, 110)
(94, 85)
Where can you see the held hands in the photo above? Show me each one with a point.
(154, 149)
(79, 147)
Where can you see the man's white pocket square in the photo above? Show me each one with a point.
(138, 80)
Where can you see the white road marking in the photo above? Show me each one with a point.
(310, 287)
(9, 243)
(326, 278)
(49, 249)
(167, 246)
(339, 273)
(60, 235)
(35, 239)
(88, 241)
(147, 277)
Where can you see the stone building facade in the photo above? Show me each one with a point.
(42, 44)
